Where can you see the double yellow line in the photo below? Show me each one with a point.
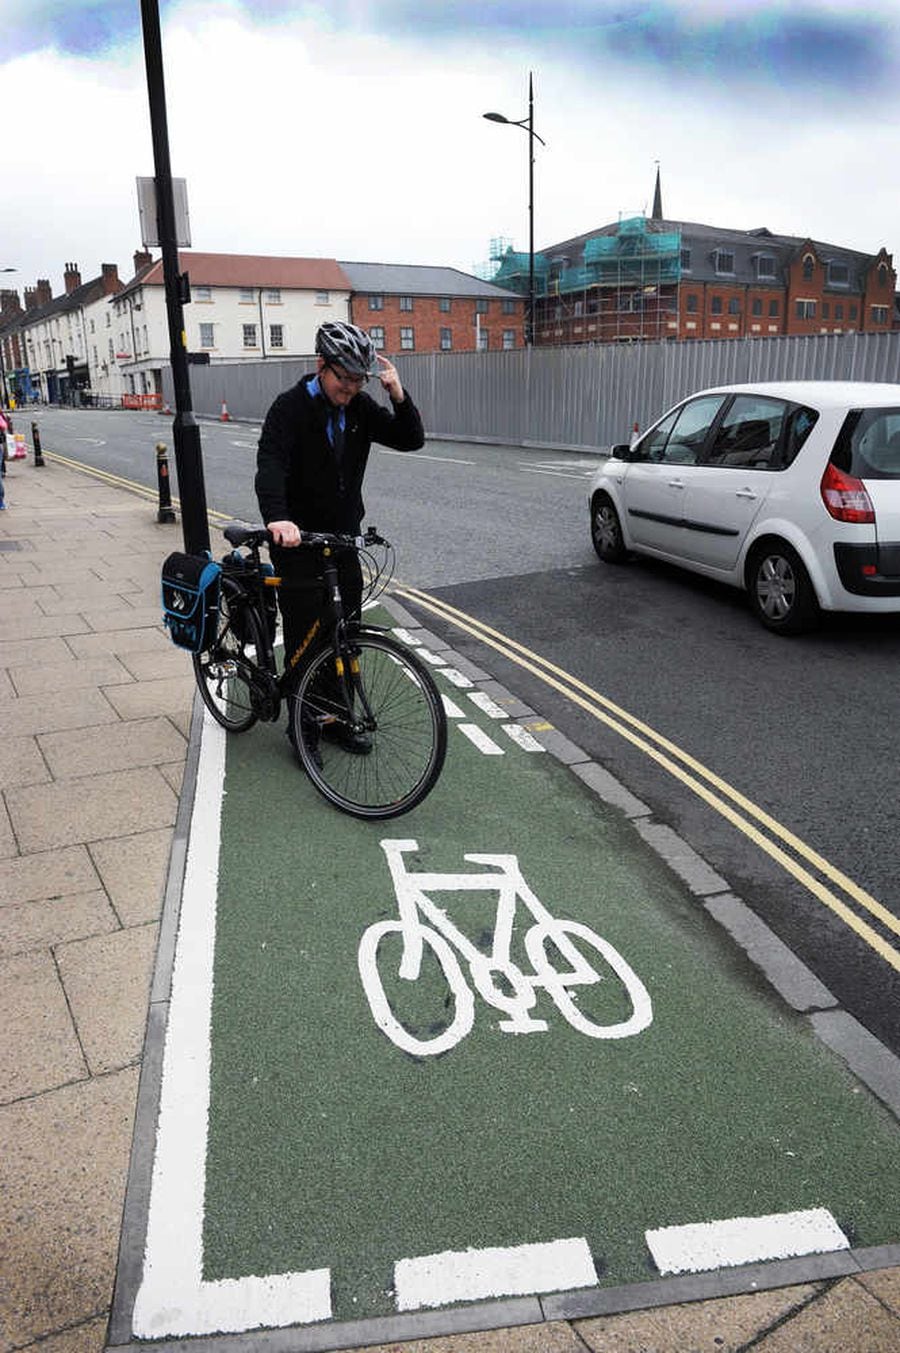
(735, 807)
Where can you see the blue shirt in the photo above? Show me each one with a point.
(315, 389)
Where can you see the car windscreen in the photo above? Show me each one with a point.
(868, 444)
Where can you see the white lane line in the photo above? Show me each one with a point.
(744, 1240)
(522, 738)
(434, 658)
(405, 636)
(173, 1299)
(480, 739)
(456, 678)
(487, 705)
(416, 455)
(559, 474)
(472, 1275)
(451, 709)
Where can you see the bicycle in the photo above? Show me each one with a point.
(494, 976)
(366, 719)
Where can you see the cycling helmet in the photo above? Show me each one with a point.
(347, 345)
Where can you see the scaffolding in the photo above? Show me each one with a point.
(623, 286)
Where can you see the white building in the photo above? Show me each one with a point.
(243, 308)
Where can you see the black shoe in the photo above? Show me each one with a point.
(360, 744)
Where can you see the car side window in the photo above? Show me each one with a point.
(679, 438)
(749, 435)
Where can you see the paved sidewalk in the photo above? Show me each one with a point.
(94, 722)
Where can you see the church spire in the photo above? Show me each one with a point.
(657, 214)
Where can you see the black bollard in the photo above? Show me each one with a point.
(36, 443)
(166, 512)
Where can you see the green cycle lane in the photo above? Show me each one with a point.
(361, 1119)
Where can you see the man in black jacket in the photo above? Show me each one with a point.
(311, 462)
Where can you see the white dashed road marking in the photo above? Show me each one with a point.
(472, 1275)
(744, 1240)
(480, 739)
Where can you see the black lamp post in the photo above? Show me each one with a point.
(527, 125)
(3, 391)
(185, 432)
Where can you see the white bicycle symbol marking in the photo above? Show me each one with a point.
(495, 977)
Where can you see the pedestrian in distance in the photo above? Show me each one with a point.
(5, 426)
(311, 463)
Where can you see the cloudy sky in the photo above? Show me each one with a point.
(352, 129)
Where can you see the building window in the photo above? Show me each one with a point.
(691, 304)
(756, 306)
(483, 340)
(509, 339)
(805, 309)
(376, 302)
(508, 307)
(809, 264)
(249, 335)
(882, 274)
(773, 309)
(715, 305)
(245, 295)
(765, 266)
(206, 336)
(446, 340)
(201, 293)
(406, 302)
(444, 305)
(838, 275)
(686, 260)
(724, 261)
(376, 333)
(273, 296)
(323, 298)
(276, 335)
(826, 310)
(407, 339)
(839, 311)
(879, 314)
(854, 313)
(734, 306)
(481, 306)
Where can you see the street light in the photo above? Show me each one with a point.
(4, 395)
(527, 125)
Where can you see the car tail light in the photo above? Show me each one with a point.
(845, 497)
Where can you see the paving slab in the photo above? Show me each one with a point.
(724, 1326)
(885, 1285)
(845, 1319)
(146, 698)
(21, 763)
(107, 980)
(40, 714)
(30, 925)
(51, 678)
(121, 642)
(139, 742)
(92, 808)
(133, 871)
(63, 1159)
(39, 1048)
(49, 874)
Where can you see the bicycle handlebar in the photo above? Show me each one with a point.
(254, 536)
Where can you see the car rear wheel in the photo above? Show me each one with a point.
(606, 531)
(780, 589)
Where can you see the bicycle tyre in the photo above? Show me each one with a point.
(224, 672)
(404, 720)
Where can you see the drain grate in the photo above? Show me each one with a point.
(7, 546)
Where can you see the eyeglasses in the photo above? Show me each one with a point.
(345, 378)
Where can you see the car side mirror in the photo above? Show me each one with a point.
(622, 451)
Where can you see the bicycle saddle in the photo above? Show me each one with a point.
(236, 533)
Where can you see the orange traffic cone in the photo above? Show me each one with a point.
(224, 416)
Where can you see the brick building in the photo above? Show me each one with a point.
(407, 308)
(649, 278)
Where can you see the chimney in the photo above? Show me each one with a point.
(141, 259)
(9, 305)
(72, 278)
(42, 291)
(111, 283)
(31, 300)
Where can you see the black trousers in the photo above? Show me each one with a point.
(302, 598)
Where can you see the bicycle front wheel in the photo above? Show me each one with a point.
(373, 740)
(224, 672)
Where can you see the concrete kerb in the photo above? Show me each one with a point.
(868, 1059)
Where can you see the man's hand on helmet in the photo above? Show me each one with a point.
(387, 374)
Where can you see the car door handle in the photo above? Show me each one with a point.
(745, 493)
(676, 483)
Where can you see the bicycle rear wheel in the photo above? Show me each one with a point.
(396, 709)
(224, 673)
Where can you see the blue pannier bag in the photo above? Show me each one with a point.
(190, 598)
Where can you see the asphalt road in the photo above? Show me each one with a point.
(805, 728)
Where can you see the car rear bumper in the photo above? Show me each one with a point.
(869, 570)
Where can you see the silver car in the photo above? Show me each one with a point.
(789, 490)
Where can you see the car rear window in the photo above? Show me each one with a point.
(868, 444)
